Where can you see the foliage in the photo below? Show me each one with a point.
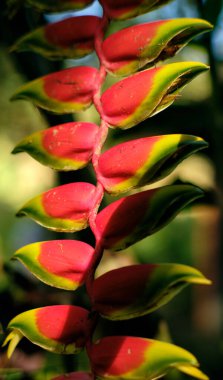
(129, 291)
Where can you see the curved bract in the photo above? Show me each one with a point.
(128, 358)
(63, 208)
(136, 290)
(124, 9)
(62, 39)
(152, 158)
(131, 219)
(142, 95)
(60, 263)
(64, 147)
(132, 48)
(60, 328)
(66, 91)
(58, 5)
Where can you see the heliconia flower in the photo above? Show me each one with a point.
(128, 358)
(61, 329)
(60, 263)
(130, 219)
(63, 208)
(124, 9)
(58, 5)
(65, 147)
(130, 49)
(137, 290)
(63, 39)
(75, 376)
(146, 93)
(65, 91)
(152, 158)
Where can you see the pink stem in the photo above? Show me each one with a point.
(100, 139)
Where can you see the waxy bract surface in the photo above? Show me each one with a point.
(61, 329)
(63, 208)
(60, 263)
(128, 358)
(65, 91)
(65, 147)
(144, 94)
(58, 5)
(152, 158)
(124, 9)
(130, 49)
(137, 290)
(62, 39)
(130, 219)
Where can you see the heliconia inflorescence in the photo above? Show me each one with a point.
(135, 290)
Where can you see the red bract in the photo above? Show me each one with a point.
(130, 8)
(59, 328)
(71, 85)
(65, 147)
(69, 33)
(58, 5)
(61, 263)
(146, 93)
(130, 49)
(64, 324)
(68, 258)
(136, 290)
(63, 208)
(152, 158)
(117, 355)
(61, 39)
(73, 141)
(71, 201)
(125, 357)
(130, 219)
(65, 91)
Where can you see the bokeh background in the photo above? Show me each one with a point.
(194, 319)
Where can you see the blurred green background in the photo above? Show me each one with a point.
(194, 319)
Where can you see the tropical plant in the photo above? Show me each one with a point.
(135, 290)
